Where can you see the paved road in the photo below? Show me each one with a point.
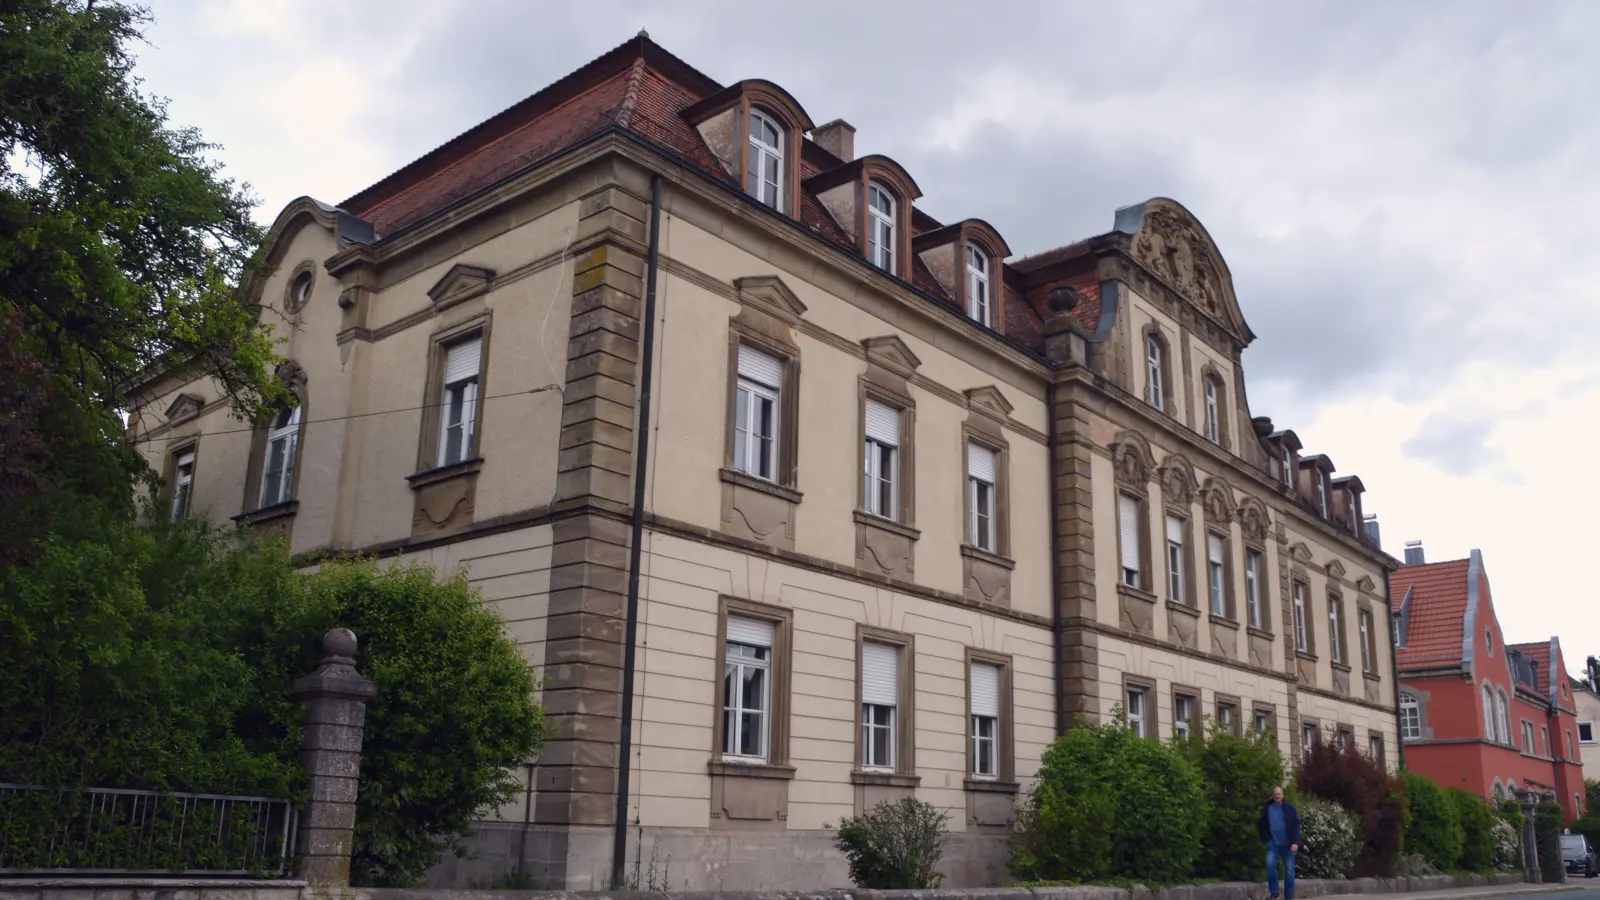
(1578, 889)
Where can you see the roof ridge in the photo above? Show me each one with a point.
(630, 98)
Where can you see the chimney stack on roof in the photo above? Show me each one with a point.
(1414, 556)
(1370, 522)
(837, 137)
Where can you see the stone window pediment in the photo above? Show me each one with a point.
(462, 282)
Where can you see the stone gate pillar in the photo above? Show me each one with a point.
(1530, 844)
(335, 699)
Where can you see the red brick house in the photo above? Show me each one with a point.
(1475, 712)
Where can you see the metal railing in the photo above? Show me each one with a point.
(106, 831)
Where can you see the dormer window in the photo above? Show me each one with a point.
(978, 286)
(764, 179)
(1288, 467)
(1322, 494)
(880, 227)
(1213, 413)
(1155, 363)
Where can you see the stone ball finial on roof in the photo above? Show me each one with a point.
(643, 34)
(339, 642)
(1064, 298)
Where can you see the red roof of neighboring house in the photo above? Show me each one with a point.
(637, 86)
(1438, 609)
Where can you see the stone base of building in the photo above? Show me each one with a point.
(578, 858)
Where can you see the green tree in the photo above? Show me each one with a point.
(120, 243)
(1477, 820)
(1239, 775)
(1434, 829)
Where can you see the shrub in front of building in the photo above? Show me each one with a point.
(1239, 773)
(1477, 830)
(1330, 840)
(1109, 804)
(1360, 784)
(1507, 845)
(1435, 827)
(896, 845)
(1547, 831)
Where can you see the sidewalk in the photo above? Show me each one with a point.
(1479, 893)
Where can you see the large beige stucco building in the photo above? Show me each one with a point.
(908, 508)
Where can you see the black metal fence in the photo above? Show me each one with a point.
(103, 831)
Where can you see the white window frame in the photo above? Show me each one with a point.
(1213, 415)
(1590, 727)
(1252, 586)
(754, 451)
(880, 711)
(735, 665)
(1308, 739)
(980, 303)
(1335, 629)
(1364, 622)
(1375, 746)
(1288, 467)
(1410, 717)
(1298, 590)
(1263, 721)
(183, 484)
(1182, 711)
(286, 436)
(1490, 712)
(880, 227)
(1322, 492)
(1217, 573)
(1504, 710)
(768, 192)
(1130, 541)
(1155, 364)
(1226, 713)
(1175, 559)
(1138, 698)
(881, 467)
(985, 719)
(458, 404)
(981, 499)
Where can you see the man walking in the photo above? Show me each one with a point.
(1279, 828)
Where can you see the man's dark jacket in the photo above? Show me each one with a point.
(1291, 824)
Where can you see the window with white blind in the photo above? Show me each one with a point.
(277, 473)
(880, 701)
(1252, 589)
(978, 304)
(880, 227)
(747, 690)
(1175, 560)
(1135, 710)
(1336, 628)
(1216, 556)
(458, 414)
(1301, 641)
(1182, 715)
(985, 686)
(1155, 365)
(756, 413)
(1410, 718)
(981, 474)
(182, 483)
(1128, 538)
(882, 460)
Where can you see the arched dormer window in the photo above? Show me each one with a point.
(979, 303)
(764, 176)
(881, 232)
(277, 472)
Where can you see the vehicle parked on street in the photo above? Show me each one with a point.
(1579, 855)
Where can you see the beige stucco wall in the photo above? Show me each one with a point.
(1589, 711)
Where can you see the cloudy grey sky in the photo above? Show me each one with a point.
(1402, 191)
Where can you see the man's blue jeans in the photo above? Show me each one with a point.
(1275, 853)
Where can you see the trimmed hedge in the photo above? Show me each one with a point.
(1477, 830)
(1239, 774)
(1435, 828)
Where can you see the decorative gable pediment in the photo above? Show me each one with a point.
(1366, 583)
(771, 295)
(892, 353)
(187, 406)
(1132, 459)
(462, 282)
(1217, 498)
(989, 400)
(1254, 520)
(1300, 553)
(1169, 241)
(1177, 480)
(1336, 569)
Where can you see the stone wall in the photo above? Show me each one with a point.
(149, 889)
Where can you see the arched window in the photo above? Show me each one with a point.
(1410, 718)
(277, 473)
(1489, 714)
(880, 228)
(1502, 708)
(1213, 389)
(764, 180)
(1155, 354)
(978, 286)
(1499, 793)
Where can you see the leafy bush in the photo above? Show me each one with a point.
(1477, 830)
(1547, 830)
(896, 845)
(163, 658)
(1100, 798)
(1239, 774)
(1435, 828)
(1330, 839)
(1360, 784)
(1507, 845)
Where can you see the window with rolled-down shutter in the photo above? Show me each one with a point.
(984, 685)
(1128, 537)
(880, 694)
(981, 471)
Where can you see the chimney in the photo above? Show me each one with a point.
(1414, 555)
(837, 137)
(1370, 522)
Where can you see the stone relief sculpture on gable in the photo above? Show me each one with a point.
(1130, 452)
(1175, 249)
(1177, 480)
(1253, 519)
(1217, 498)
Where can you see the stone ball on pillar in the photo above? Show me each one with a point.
(339, 642)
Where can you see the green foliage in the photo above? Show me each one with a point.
(1477, 830)
(1511, 811)
(1239, 773)
(897, 845)
(1330, 839)
(1591, 794)
(1507, 845)
(1435, 827)
(1101, 797)
(120, 244)
(1547, 832)
(162, 657)
(1357, 782)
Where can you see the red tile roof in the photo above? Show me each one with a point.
(1539, 652)
(1438, 607)
(639, 87)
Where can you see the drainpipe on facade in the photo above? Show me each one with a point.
(1394, 677)
(1055, 563)
(641, 461)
